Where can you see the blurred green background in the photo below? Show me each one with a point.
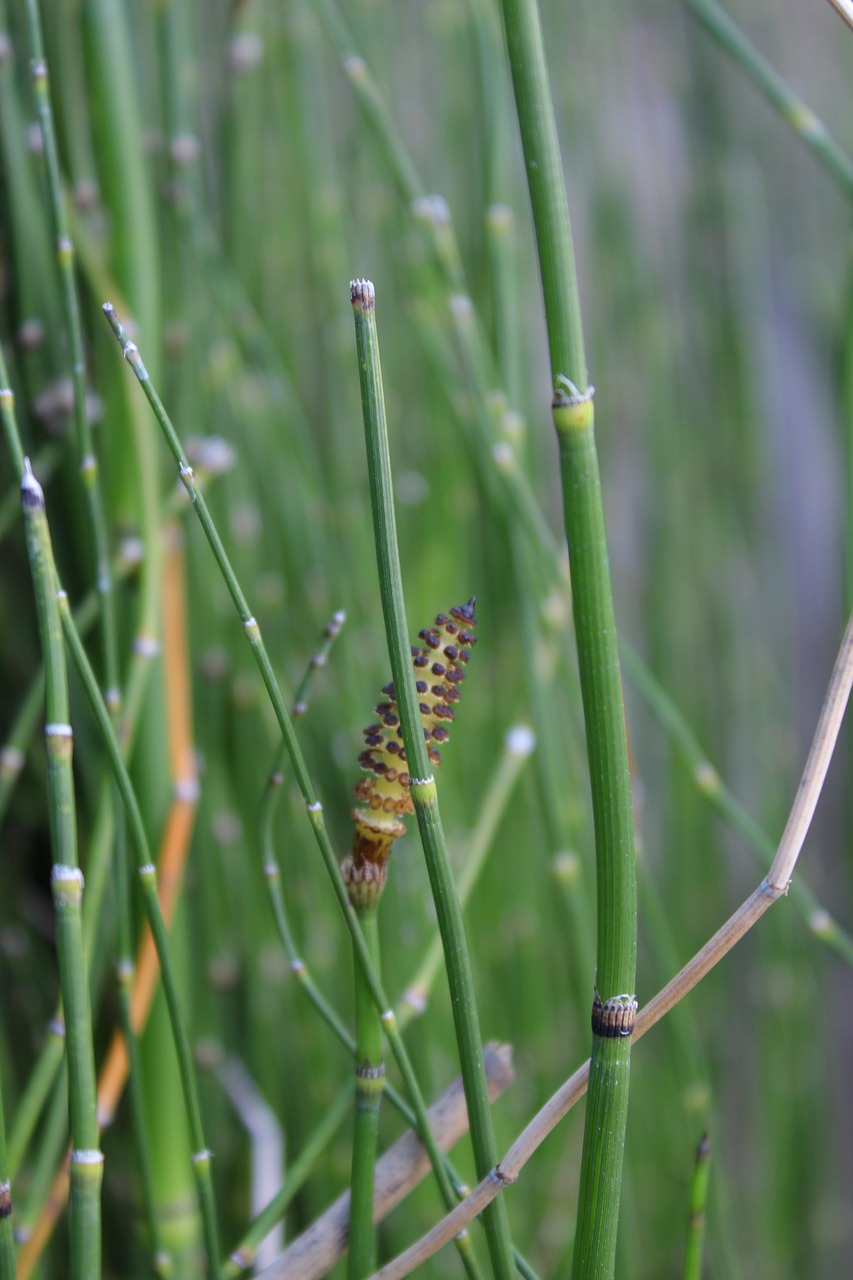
(229, 168)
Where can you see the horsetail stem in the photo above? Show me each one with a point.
(298, 966)
(148, 881)
(419, 766)
(799, 117)
(67, 888)
(614, 1004)
(87, 460)
(369, 1084)
(313, 806)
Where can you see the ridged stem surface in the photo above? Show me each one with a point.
(423, 789)
(67, 888)
(313, 806)
(369, 1079)
(598, 658)
(7, 1243)
(87, 460)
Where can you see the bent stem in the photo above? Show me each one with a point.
(423, 789)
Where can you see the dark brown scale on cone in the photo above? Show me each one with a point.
(384, 792)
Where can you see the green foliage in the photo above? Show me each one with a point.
(227, 170)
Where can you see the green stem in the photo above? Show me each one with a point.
(201, 1157)
(41, 1169)
(125, 972)
(7, 1243)
(519, 744)
(36, 1093)
(547, 190)
(695, 1244)
(614, 1006)
(148, 881)
(86, 457)
(88, 466)
(369, 1080)
(322, 1005)
(423, 789)
(243, 1256)
(313, 806)
(792, 109)
(67, 885)
(818, 920)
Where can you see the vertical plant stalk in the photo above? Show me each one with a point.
(94, 604)
(772, 888)
(147, 872)
(125, 974)
(614, 1004)
(781, 97)
(7, 1243)
(422, 787)
(369, 1081)
(384, 795)
(87, 1160)
(519, 744)
(313, 806)
(695, 1243)
(88, 466)
(86, 456)
(244, 1254)
(148, 881)
(313, 1254)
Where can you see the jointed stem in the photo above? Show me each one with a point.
(598, 657)
(423, 790)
